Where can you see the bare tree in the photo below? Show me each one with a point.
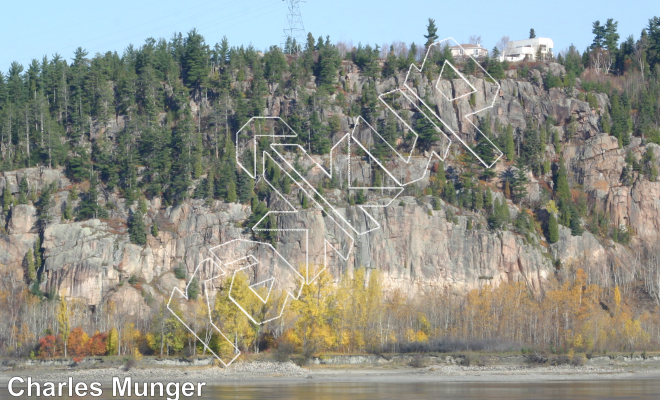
(400, 49)
(475, 40)
(502, 44)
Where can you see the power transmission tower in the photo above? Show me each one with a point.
(294, 35)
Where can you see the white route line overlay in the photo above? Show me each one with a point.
(309, 190)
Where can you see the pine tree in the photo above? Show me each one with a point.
(496, 218)
(142, 205)
(23, 191)
(520, 181)
(88, 207)
(286, 184)
(7, 199)
(553, 229)
(245, 187)
(431, 33)
(562, 190)
(488, 199)
(478, 202)
(67, 214)
(575, 224)
(231, 192)
(532, 34)
(154, 230)
(137, 231)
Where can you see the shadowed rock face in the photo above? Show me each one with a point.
(417, 248)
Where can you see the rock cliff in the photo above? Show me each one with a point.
(418, 247)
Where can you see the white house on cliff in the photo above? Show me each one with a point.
(517, 50)
(463, 51)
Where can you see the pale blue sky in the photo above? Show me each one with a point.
(32, 29)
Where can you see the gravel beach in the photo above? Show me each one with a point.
(274, 372)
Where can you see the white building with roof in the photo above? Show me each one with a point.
(518, 50)
(464, 50)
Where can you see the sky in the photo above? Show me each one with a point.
(33, 29)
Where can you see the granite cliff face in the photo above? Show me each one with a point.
(417, 248)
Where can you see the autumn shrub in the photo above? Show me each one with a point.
(78, 343)
(48, 347)
(97, 344)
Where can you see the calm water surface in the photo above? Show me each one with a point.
(612, 389)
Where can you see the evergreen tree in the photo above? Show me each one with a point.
(7, 199)
(599, 35)
(231, 192)
(478, 202)
(488, 199)
(23, 191)
(562, 190)
(470, 66)
(137, 231)
(245, 187)
(553, 229)
(427, 134)
(532, 34)
(431, 33)
(194, 62)
(88, 207)
(520, 181)
(575, 224)
(154, 230)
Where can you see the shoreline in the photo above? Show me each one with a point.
(274, 373)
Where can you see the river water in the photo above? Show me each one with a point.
(582, 389)
(612, 389)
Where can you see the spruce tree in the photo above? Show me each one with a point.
(575, 224)
(23, 191)
(520, 181)
(137, 231)
(142, 204)
(488, 199)
(431, 33)
(231, 192)
(245, 187)
(154, 230)
(562, 190)
(88, 207)
(7, 199)
(553, 229)
(67, 214)
(478, 202)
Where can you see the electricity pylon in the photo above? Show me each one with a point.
(294, 34)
